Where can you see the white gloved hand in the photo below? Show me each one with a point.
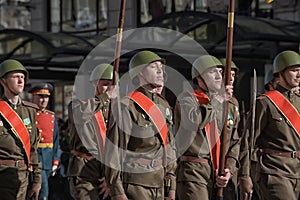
(54, 170)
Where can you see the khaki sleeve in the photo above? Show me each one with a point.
(34, 140)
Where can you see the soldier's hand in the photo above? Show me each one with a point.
(246, 186)
(222, 181)
(171, 195)
(34, 191)
(119, 197)
(103, 188)
(112, 92)
(229, 91)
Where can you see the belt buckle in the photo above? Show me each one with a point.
(17, 163)
(153, 162)
(294, 154)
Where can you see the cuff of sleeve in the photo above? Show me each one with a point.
(55, 162)
(232, 164)
(116, 189)
(244, 171)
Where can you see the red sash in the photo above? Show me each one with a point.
(214, 142)
(211, 131)
(17, 125)
(286, 108)
(154, 113)
(100, 126)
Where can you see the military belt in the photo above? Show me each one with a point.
(13, 163)
(82, 155)
(148, 162)
(45, 145)
(194, 159)
(290, 154)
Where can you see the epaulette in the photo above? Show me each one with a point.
(127, 101)
(234, 101)
(50, 112)
(161, 96)
(30, 104)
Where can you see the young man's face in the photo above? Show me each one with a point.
(213, 78)
(152, 74)
(292, 76)
(15, 81)
(41, 100)
(102, 85)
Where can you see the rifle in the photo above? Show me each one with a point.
(227, 74)
(119, 41)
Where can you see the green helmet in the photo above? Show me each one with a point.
(203, 63)
(11, 65)
(233, 65)
(284, 60)
(102, 71)
(141, 60)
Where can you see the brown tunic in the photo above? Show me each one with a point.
(138, 137)
(191, 140)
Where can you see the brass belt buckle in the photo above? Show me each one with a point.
(153, 162)
(17, 163)
(294, 154)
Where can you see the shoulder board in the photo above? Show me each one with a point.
(30, 104)
(234, 101)
(261, 97)
(161, 96)
(50, 112)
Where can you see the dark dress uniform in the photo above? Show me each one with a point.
(49, 137)
(134, 152)
(196, 173)
(85, 167)
(277, 169)
(48, 147)
(14, 165)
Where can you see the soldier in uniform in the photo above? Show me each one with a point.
(141, 155)
(49, 135)
(87, 124)
(231, 191)
(275, 135)
(18, 136)
(198, 124)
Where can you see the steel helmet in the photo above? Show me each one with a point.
(102, 71)
(11, 65)
(284, 60)
(233, 65)
(141, 60)
(203, 63)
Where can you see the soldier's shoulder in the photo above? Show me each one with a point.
(50, 112)
(30, 105)
(234, 101)
(261, 97)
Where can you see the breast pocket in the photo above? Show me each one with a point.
(276, 119)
